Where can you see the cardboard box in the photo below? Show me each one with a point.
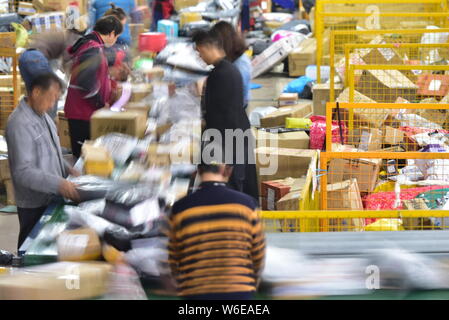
(277, 118)
(433, 85)
(181, 4)
(57, 281)
(62, 5)
(289, 202)
(393, 136)
(10, 196)
(273, 191)
(366, 172)
(358, 97)
(301, 57)
(79, 245)
(288, 99)
(344, 196)
(139, 107)
(321, 96)
(280, 163)
(140, 92)
(163, 155)
(5, 173)
(366, 139)
(97, 160)
(131, 123)
(63, 132)
(386, 85)
(289, 140)
(26, 9)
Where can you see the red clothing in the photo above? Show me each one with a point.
(90, 85)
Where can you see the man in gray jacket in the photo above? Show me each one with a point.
(38, 169)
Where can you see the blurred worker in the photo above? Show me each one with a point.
(38, 169)
(161, 9)
(90, 83)
(216, 242)
(234, 46)
(46, 50)
(98, 9)
(223, 110)
(118, 55)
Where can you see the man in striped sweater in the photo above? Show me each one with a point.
(217, 245)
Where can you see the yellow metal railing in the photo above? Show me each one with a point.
(389, 53)
(328, 221)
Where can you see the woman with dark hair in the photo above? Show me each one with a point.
(118, 8)
(234, 46)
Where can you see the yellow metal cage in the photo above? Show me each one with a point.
(387, 53)
(387, 127)
(397, 83)
(338, 40)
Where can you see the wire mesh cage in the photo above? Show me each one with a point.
(387, 127)
(388, 42)
(397, 83)
(384, 182)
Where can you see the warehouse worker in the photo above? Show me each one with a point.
(46, 50)
(216, 241)
(234, 46)
(38, 169)
(223, 111)
(90, 86)
(99, 8)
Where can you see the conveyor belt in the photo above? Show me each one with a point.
(435, 242)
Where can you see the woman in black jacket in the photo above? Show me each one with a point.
(224, 112)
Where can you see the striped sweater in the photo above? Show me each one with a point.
(217, 244)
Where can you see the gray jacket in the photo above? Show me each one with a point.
(35, 157)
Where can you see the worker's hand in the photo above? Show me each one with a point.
(74, 173)
(107, 106)
(68, 190)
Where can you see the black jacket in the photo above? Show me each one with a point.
(223, 99)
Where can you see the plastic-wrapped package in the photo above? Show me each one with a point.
(182, 55)
(186, 130)
(120, 146)
(118, 237)
(84, 218)
(149, 256)
(3, 145)
(132, 216)
(160, 176)
(92, 187)
(318, 132)
(413, 120)
(6, 258)
(124, 284)
(258, 113)
(387, 200)
(132, 194)
(133, 172)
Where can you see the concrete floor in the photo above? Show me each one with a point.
(272, 86)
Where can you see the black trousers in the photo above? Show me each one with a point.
(79, 131)
(27, 220)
